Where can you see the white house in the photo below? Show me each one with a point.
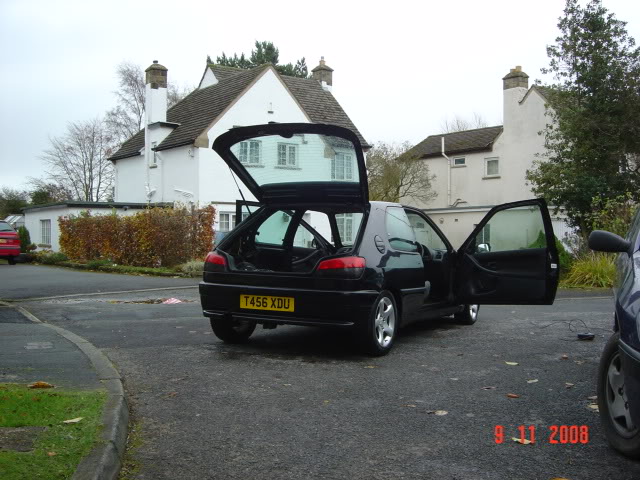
(171, 160)
(478, 169)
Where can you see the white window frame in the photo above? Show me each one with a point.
(45, 231)
(486, 167)
(248, 158)
(344, 222)
(340, 169)
(463, 164)
(289, 160)
(230, 221)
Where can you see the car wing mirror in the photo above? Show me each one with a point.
(602, 241)
(483, 248)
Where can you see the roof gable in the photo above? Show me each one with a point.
(476, 140)
(197, 112)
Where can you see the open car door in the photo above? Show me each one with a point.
(510, 258)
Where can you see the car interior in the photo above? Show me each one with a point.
(282, 240)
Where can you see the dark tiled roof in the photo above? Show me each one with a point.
(196, 112)
(320, 105)
(478, 139)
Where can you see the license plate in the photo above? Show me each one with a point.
(2, 240)
(261, 302)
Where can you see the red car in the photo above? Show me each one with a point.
(9, 243)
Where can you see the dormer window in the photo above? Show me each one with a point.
(342, 167)
(250, 152)
(287, 155)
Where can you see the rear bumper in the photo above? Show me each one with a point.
(630, 358)
(311, 307)
(9, 251)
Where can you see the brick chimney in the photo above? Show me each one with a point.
(323, 74)
(155, 93)
(515, 78)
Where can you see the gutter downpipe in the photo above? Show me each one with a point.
(448, 173)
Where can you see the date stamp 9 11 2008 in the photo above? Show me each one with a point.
(555, 434)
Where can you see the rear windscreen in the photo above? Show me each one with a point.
(300, 158)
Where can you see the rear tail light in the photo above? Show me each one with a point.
(215, 262)
(345, 267)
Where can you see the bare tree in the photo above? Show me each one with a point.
(395, 174)
(78, 161)
(127, 118)
(459, 124)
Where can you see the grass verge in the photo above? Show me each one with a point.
(59, 449)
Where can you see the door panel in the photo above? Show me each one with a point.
(517, 263)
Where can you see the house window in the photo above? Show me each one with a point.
(227, 222)
(345, 227)
(45, 232)
(287, 155)
(485, 234)
(250, 152)
(154, 155)
(342, 167)
(459, 162)
(491, 167)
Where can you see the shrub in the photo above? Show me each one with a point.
(47, 257)
(25, 239)
(614, 214)
(192, 268)
(593, 270)
(96, 264)
(565, 257)
(151, 238)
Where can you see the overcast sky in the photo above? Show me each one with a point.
(401, 67)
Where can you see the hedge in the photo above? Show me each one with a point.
(154, 237)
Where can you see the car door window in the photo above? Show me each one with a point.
(425, 233)
(512, 229)
(399, 230)
(274, 228)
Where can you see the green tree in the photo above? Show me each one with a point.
(593, 139)
(395, 175)
(264, 52)
(12, 201)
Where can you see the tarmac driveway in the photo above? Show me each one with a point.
(298, 403)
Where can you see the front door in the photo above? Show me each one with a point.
(517, 263)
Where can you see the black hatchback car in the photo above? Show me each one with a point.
(318, 252)
(619, 370)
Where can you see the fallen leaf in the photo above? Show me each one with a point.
(410, 405)
(513, 395)
(454, 379)
(512, 363)
(370, 366)
(559, 478)
(51, 454)
(579, 362)
(594, 406)
(172, 394)
(286, 384)
(440, 413)
(488, 388)
(326, 401)
(594, 397)
(522, 441)
(40, 385)
(73, 420)
(569, 385)
(535, 380)
(564, 357)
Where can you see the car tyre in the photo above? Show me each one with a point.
(381, 327)
(233, 331)
(616, 422)
(11, 260)
(468, 315)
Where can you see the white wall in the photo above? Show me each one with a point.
(33, 217)
(516, 148)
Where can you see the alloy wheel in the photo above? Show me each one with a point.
(385, 322)
(616, 398)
